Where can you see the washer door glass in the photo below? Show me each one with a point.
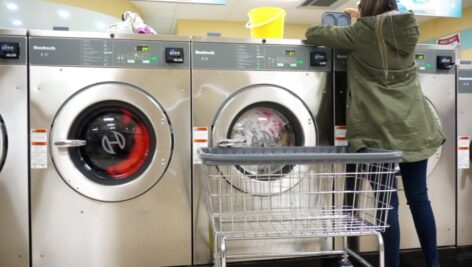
(264, 116)
(266, 125)
(120, 141)
(111, 142)
(3, 143)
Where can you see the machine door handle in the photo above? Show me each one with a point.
(70, 143)
(231, 142)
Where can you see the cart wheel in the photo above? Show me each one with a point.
(345, 263)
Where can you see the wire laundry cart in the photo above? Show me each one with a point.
(297, 193)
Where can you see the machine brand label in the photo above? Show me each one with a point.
(205, 52)
(108, 145)
(464, 81)
(174, 52)
(44, 48)
(8, 47)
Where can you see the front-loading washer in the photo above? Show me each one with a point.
(437, 72)
(14, 218)
(265, 93)
(110, 138)
(464, 159)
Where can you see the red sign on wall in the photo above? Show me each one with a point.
(450, 40)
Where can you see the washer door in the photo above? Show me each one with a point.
(111, 141)
(265, 116)
(434, 159)
(3, 143)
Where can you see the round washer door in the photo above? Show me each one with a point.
(265, 116)
(111, 142)
(3, 143)
(434, 159)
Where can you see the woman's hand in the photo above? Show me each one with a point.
(353, 12)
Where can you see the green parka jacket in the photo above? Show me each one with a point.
(386, 107)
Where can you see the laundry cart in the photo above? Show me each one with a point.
(299, 193)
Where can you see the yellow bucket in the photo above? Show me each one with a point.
(266, 22)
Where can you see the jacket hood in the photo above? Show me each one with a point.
(399, 30)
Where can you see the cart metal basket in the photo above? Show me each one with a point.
(298, 192)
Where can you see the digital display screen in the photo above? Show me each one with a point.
(291, 53)
(142, 48)
(419, 56)
(439, 8)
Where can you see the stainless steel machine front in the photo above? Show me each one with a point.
(110, 139)
(437, 77)
(14, 224)
(464, 172)
(258, 93)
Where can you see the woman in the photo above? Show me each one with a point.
(387, 109)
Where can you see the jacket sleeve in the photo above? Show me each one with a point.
(340, 37)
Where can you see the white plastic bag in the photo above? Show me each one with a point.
(132, 23)
(124, 26)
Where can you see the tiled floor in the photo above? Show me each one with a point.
(450, 257)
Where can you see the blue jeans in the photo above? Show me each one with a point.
(416, 192)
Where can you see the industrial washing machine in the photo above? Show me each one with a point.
(464, 173)
(259, 93)
(436, 70)
(110, 141)
(14, 219)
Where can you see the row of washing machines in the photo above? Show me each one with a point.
(99, 133)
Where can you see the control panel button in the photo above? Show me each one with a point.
(318, 59)
(9, 50)
(445, 62)
(174, 55)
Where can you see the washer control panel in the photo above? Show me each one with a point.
(435, 61)
(108, 53)
(260, 57)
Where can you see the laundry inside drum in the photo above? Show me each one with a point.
(266, 126)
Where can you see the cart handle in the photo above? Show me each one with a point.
(225, 143)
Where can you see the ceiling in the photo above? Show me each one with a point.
(35, 14)
(163, 16)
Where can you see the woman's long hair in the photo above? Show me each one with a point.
(369, 8)
(380, 9)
